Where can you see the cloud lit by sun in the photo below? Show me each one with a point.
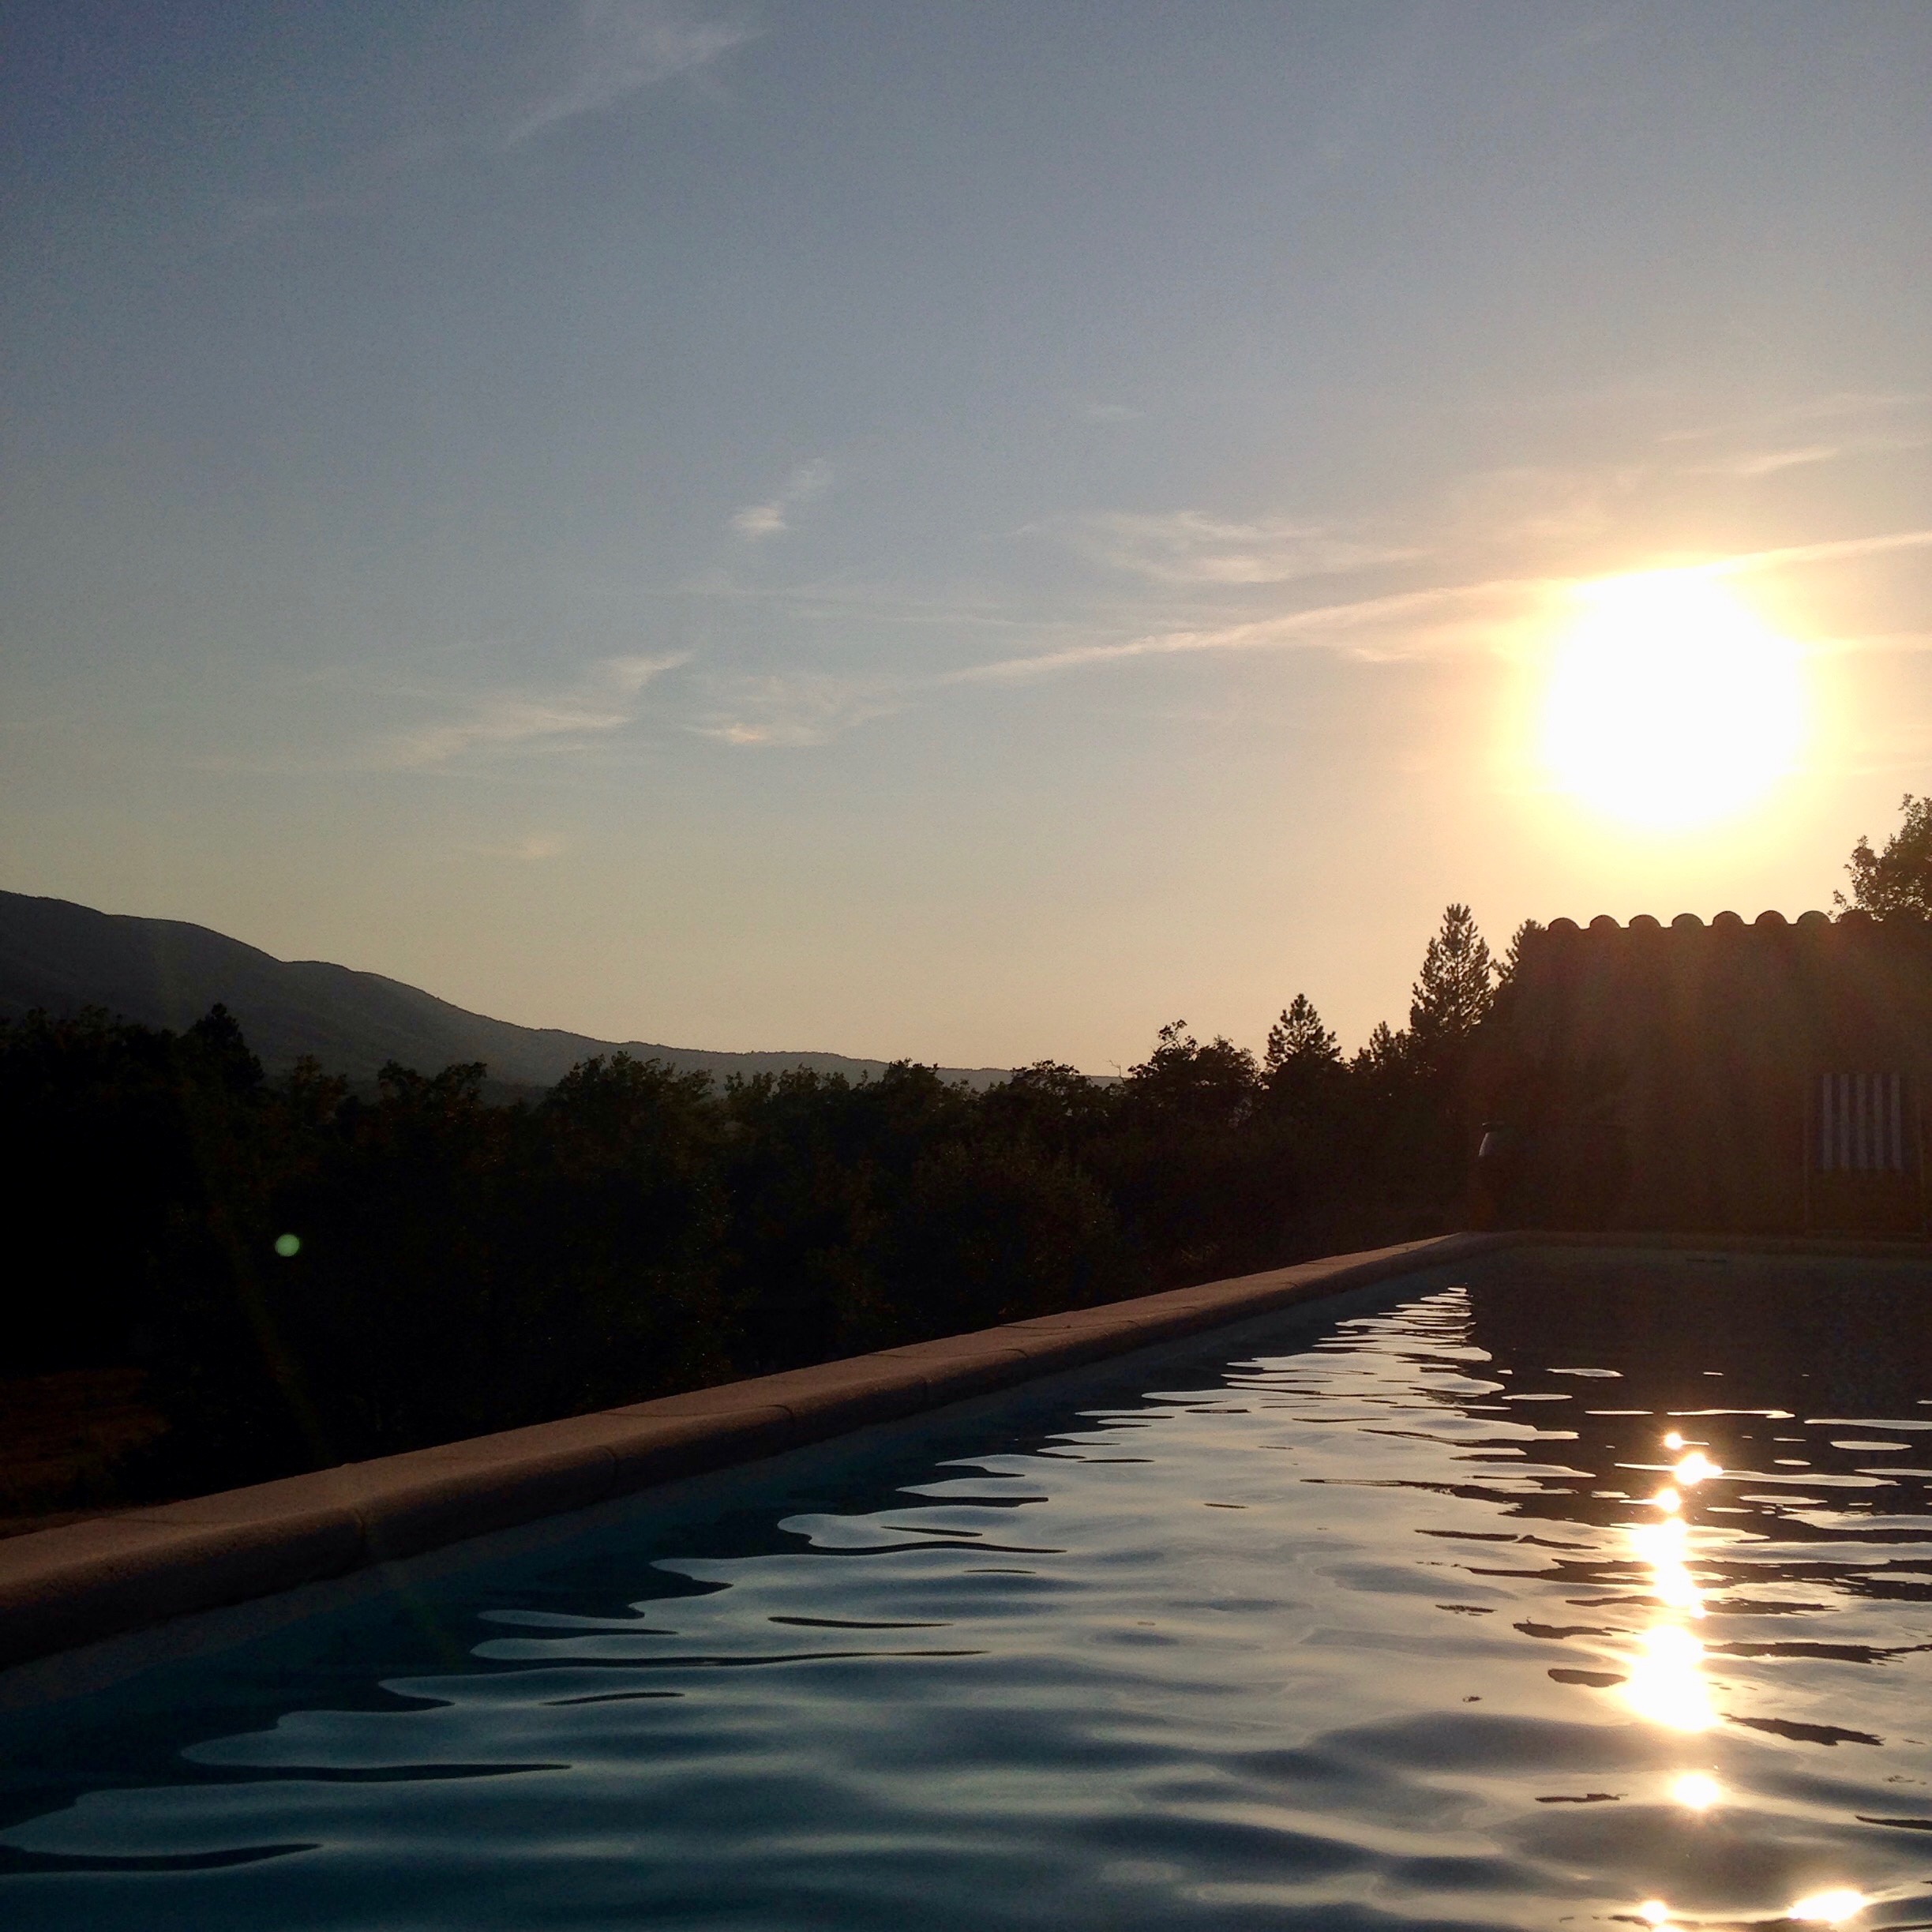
(1670, 702)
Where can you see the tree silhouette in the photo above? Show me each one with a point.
(1506, 971)
(1455, 987)
(305, 1270)
(1299, 1039)
(1383, 1056)
(1899, 879)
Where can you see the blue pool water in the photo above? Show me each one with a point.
(1367, 1621)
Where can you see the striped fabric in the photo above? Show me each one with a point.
(1861, 1120)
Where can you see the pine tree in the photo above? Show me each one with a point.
(1513, 959)
(1384, 1057)
(1299, 1039)
(1455, 988)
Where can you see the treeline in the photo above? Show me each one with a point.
(311, 1274)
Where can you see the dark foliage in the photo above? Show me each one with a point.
(1896, 882)
(313, 1275)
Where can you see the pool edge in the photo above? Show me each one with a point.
(135, 1569)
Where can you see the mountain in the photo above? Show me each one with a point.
(165, 973)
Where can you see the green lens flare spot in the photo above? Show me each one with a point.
(288, 1245)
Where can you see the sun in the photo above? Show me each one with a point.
(1670, 702)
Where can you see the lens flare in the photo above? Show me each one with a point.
(1695, 1468)
(1696, 1790)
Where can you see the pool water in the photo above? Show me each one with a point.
(1579, 1590)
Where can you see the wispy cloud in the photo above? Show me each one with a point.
(1406, 623)
(1540, 503)
(621, 48)
(617, 49)
(796, 709)
(1749, 464)
(603, 700)
(533, 850)
(1837, 549)
(358, 181)
(1188, 547)
(773, 517)
(1409, 621)
(1837, 407)
(1753, 464)
(1507, 613)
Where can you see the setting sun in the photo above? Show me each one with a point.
(1669, 702)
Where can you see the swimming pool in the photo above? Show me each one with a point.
(1367, 1616)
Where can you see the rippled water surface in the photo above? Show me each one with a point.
(1385, 1622)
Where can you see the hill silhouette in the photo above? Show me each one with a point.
(62, 956)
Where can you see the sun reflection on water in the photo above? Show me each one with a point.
(1665, 1684)
(1829, 1908)
(1696, 1790)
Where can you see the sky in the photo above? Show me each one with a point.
(957, 531)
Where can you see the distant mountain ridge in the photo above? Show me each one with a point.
(165, 973)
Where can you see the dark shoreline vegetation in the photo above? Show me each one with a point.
(464, 1266)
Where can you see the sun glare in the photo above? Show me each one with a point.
(1669, 702)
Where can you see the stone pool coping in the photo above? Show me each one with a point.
(133, 1568)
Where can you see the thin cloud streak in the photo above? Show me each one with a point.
(1769, 461)
(1818, 409)
(1186, 547)
(1513, 597)
(773, 519)
(1295, 629)
(536, 849)
(801, 709)
(623, 46)
(794, 710)
(1838, 549)
(243, 216)
(604, 700)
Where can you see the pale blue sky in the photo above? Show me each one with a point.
(963, 531)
